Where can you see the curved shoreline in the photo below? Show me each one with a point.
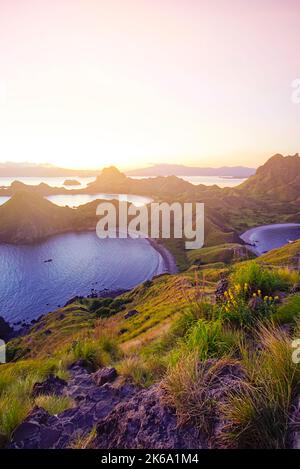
(168, 259)
(160, 262)
(249, 236)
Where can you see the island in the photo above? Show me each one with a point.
(71, 182)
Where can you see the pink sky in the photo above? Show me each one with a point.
(136, 82)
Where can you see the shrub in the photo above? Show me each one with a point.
(147, 284)
(104, 312)
(211, 339)
(257, 277)
(238, 309)
(289, 311)
(206, 339)
(97, 303)
(105, 307)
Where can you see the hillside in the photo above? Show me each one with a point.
(286, 255)
(113, 181)
(28, 217)
(278, 180)
(163, 358)
(228, 212)
(176, 355)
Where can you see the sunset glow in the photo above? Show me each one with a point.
(87, 83)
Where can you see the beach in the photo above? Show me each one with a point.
(264, 238)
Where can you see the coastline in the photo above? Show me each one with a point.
(166, 264)
(249, 236)
(168, 259)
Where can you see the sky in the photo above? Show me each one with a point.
(87, 83)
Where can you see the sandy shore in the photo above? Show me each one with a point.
(168, 258)
(250, 236)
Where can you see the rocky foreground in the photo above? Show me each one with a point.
(124, 415)
(120, 415)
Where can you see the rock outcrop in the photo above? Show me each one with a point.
(129, 314)
(126, 416)
(6, 332)
(41, 430)
(143, 421)
(51, 386)
(104, 375)
(221, 288)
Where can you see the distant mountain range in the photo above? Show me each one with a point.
(272, 195)
(182, 170)
(9, 169)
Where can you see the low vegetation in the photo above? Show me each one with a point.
(180, 337)
(54, 404)
(267, 280)
(16, 383)
(258, 416)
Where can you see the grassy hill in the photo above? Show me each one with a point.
(186, 333)
(28, 217)
(286, 255)
(229, 211)
(225, 253)
(177, 328)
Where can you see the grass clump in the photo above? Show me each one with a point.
(54, 405)
(289, 311)
(207, 339)
(258, 277)
(137, 369)
(84, 441)
(258, 417)
(94, 353)
(16, 383)
(188, 387)
(13, 410)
